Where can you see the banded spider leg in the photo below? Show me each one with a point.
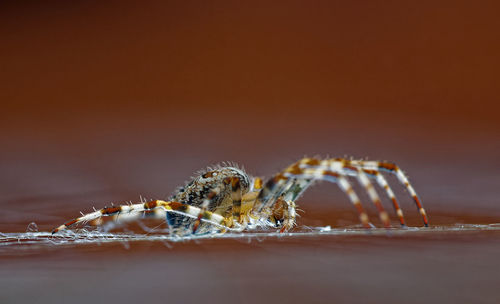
(174, 207)
(374, 168)
(296, 178)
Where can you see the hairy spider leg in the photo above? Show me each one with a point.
(344, 184)
(382, 182)
(321, 167)
(380, 179)
(272, 189)
(342, 167)
(120, 218)
(283, 181)
(174, 207)
(279, 199)
(281, 207)
(394, 169)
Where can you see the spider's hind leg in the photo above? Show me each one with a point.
(123, 219)
(174, 207)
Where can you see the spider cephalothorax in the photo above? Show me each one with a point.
(226, 198)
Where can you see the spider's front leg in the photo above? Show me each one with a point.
(361, 170)
(374, 167)
(294, 180)
(352, 168)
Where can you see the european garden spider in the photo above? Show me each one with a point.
(226, 198)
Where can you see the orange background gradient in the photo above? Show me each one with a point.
(103, 101)
(136, 96)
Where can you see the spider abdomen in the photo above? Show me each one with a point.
(213, 183)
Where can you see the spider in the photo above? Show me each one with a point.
(225, 198)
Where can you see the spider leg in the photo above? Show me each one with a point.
(274, 188)
(271, 190)
(175, 207)
(318, 168)
(284, 182)
(372, 193)
(369, 188)
(382, 182)
(394, 169)
(119, 219)
(346, 186)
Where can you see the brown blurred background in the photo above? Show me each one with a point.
(104, 101)
(134, 97)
